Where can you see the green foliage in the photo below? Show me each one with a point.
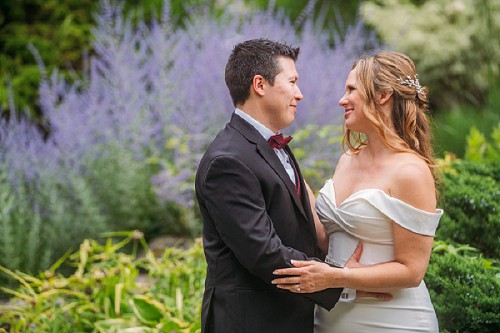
(29, 241)
(40, 223)
(455, 45)
(317, 168)
(472, 205)
(335, 15)
(121, 184)
(472, 195)
(479, 149)
(111, 291)
(464, 288)
(59, 30)
(451, 127)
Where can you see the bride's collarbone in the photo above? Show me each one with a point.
(366, 177)
(348, 184)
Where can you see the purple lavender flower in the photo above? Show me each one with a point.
(150, 85)
(146, 81)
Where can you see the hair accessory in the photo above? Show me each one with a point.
(412, 83)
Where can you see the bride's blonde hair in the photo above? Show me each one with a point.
(394, 72)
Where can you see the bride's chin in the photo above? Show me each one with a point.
(348, 125)
(352, 125)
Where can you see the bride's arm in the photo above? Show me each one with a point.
(320, 229)
(411, 251)
(414, 185)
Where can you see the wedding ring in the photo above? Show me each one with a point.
(298, 287)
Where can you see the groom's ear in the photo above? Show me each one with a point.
(258, 85)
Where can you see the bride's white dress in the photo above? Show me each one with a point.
(367, 216)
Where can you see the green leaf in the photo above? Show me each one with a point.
(476, 145)
(147, 309)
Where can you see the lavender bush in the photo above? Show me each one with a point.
(125, 140)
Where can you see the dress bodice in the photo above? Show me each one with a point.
(367, 216)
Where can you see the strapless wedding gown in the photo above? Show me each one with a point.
(367, 216)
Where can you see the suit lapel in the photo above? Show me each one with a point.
(268, 154)
(270, 157)
(303, 192)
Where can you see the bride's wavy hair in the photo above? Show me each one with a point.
(394, 72)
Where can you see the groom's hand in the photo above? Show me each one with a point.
(353, 262)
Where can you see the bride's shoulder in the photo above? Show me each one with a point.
(410, 165)
(344, 158)
(344, 161)
(347, 157)
(412, 182)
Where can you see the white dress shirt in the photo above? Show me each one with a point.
(267, 133)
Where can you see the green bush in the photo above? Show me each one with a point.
(59, 30)
(472, 206)
(465, 291)
(110, 291)
(121, 184)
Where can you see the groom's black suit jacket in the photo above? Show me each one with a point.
(253, 223)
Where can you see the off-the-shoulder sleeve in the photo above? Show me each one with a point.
(407, 216)
(353, 211)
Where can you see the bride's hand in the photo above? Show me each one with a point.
(368, 294)
(353, 261)
(308, 277)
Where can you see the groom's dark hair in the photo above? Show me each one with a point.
(254, 57)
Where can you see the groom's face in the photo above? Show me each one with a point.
(282, 97)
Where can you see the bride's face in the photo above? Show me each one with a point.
(353, 103)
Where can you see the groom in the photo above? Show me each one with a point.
(254, 203)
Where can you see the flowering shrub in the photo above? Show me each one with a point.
(455, 44)
(124, 141)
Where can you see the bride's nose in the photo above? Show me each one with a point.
(343, 101)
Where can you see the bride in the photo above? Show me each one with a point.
(382, 195)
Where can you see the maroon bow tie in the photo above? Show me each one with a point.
(278, 141)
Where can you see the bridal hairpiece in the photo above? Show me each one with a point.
(412, 83)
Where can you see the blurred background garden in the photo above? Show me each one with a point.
(107, 106)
